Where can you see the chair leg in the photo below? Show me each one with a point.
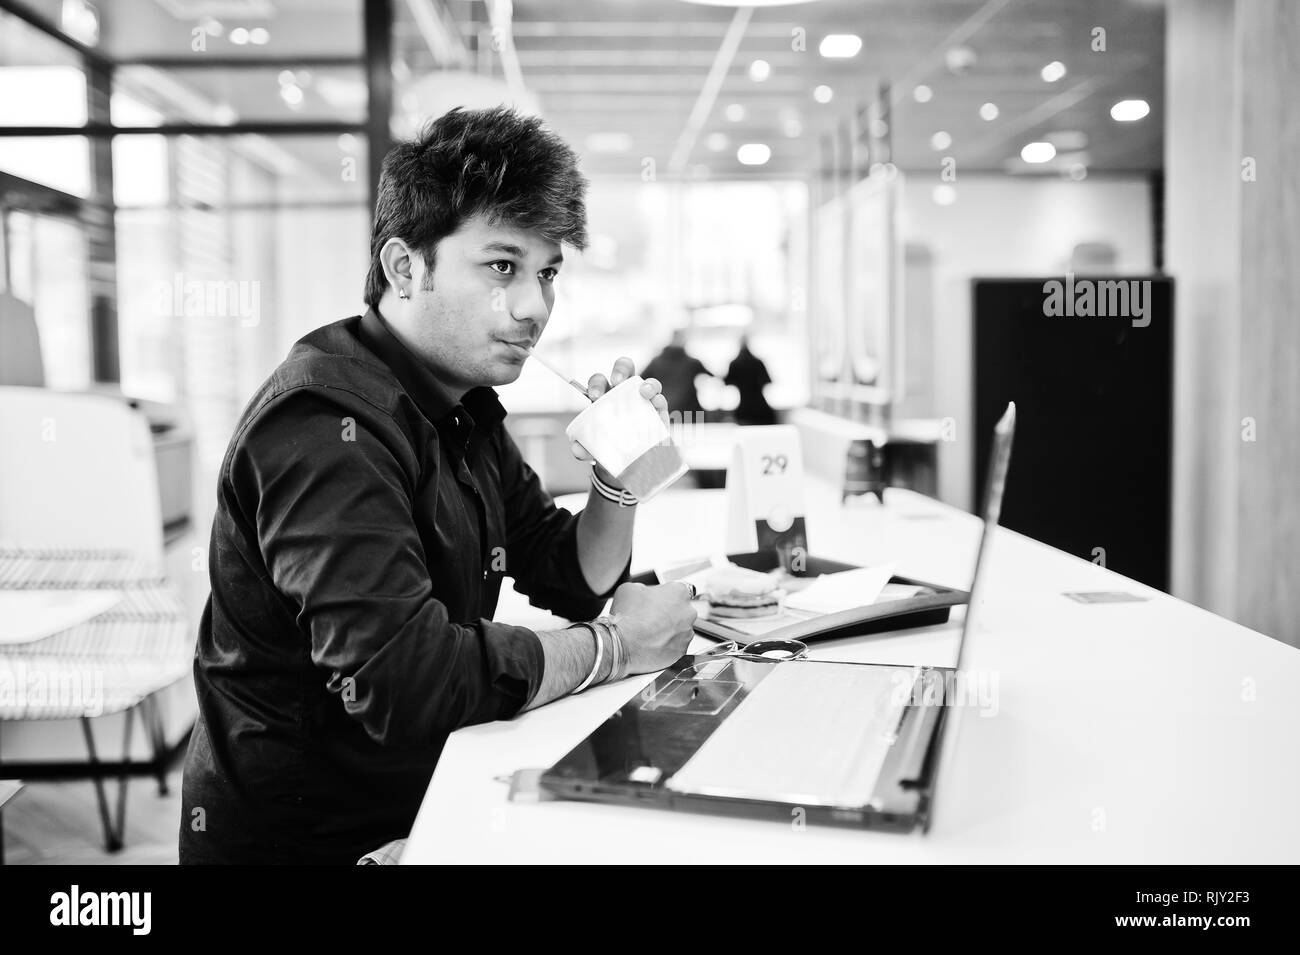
(112, 835)
(152, 715)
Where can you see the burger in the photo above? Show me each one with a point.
(736, 592)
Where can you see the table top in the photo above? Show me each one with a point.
(1129, 732)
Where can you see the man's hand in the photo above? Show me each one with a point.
(656, 622)
(598, 384)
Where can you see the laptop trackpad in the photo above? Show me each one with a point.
(809, 733)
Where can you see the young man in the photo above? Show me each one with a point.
(370, 503)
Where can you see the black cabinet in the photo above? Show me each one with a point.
(1090, 368)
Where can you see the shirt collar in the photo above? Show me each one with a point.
(429, 394)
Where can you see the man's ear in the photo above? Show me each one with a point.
(397, 259)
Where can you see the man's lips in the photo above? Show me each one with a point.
(524, 343)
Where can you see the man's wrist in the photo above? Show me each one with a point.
(614, 493)
(605, 476)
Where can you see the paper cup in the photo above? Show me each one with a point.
(626, 436)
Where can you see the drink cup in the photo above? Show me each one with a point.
(626, 436)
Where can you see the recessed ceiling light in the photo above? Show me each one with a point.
(292, 95)
(989, 112)
(347, 143)
(753, 154)
(940, 141)
(716, 142)
(959, 59)
(1053, 71)
(923, 94)
(239, 36)
(259, 36)
(1129, 110)
(840, 45)
(1038, 152)
(760, 70)
(878, 128)
(735, 112)
(823, 94)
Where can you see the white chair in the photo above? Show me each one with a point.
(79, 508)
(77, 472)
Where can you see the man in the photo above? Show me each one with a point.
(370, 503)
(677, 369)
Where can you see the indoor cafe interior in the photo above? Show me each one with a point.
(850, 232)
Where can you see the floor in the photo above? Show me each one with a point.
(58, 824)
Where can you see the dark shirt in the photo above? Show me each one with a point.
(748, 374)
(364, 522)
(676, 370)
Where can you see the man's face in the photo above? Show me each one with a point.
(490, 290)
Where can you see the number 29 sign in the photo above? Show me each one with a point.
(765, 493)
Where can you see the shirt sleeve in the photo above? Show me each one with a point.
(328, 480)
(542, 543)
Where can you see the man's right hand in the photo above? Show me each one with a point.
(656, 622)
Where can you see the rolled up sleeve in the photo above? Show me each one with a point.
(543, 543)
(329, 482)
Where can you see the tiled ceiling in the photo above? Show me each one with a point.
(625, 75)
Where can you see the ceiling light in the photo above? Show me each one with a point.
(1053, 71)
(940, 141)
(259, 36)
(923, 94)
(735, 112)
(716, 142)
(944, 195)
(239, 36)
(1038, 152)
(840, 45)
(989, 112)
(1129, 110)
(760, 70)
(823, 94)
(292, 95)
(753, 154)
(959, 59)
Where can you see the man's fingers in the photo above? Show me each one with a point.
(624, 368)
(651, 387)
(597, 385)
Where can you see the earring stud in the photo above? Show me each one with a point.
(402, 293)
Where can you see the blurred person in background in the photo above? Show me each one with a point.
(676, 370)
(748, 375)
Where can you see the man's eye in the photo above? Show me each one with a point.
(548, 275)
(502, 267)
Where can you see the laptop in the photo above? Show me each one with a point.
(738, 732)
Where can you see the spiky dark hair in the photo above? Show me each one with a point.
(498, 163)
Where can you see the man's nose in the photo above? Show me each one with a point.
(528, 304)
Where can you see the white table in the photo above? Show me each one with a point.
(1136, 732)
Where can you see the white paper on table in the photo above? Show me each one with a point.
(844, 590)
(29, 615)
